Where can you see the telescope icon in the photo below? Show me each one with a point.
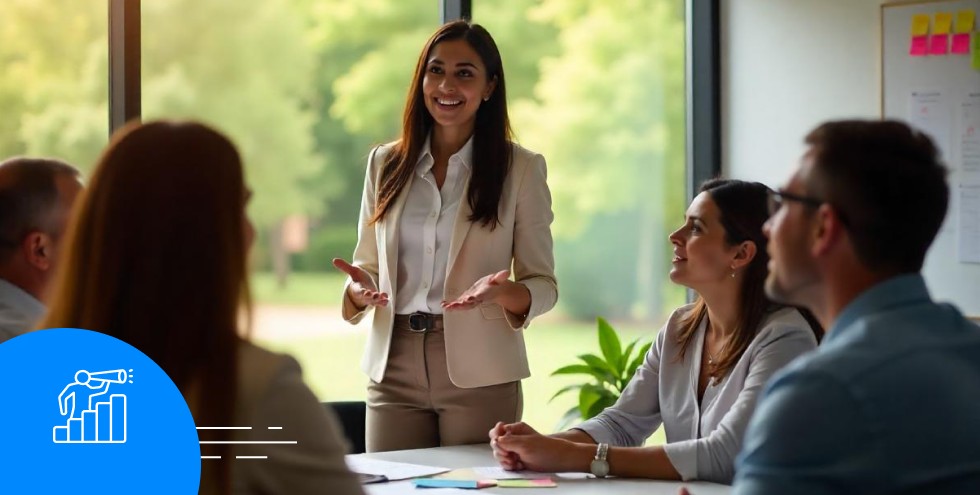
(100, 377)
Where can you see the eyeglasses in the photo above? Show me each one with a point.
(777, 198)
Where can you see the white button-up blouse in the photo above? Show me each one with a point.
(425, 230)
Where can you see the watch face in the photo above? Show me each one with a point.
(600, 468)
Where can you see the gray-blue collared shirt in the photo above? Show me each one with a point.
(19, 311)
(890, 403)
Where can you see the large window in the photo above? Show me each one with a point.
(598, 88)
(305, 88)
(53, 94)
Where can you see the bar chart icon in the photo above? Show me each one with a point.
(105, 424)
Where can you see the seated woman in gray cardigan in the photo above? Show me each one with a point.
(708, 365)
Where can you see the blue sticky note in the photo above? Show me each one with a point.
(444, 483)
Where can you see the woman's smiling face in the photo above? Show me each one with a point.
(455, 84)
(701, 251)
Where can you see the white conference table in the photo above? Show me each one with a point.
(464, 456)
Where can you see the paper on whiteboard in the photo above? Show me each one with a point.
(969, 231)
(970, 139)
(929, 112)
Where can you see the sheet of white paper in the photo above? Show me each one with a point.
(499, 473)
(392, 470)
(969, 231)
(929, 111)
(970, 139)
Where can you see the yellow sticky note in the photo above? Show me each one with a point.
(964, 21)
(920, 24)
(944, 21)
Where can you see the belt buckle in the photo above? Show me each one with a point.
(418, 322)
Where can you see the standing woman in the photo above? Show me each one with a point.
(447, 210)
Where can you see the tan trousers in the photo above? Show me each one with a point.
(416, 405)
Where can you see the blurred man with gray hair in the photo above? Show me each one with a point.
(36, 196)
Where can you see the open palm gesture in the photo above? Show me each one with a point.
(362, 291)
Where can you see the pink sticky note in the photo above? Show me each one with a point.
(939, 44)
(961, 44)
(920, 46)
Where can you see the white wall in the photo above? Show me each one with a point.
(786, 66)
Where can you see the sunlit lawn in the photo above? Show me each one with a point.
(303, 289)
(331, 361)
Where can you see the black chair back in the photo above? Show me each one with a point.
(352, 415)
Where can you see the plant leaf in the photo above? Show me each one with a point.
(598, 406)
(600, 369)
(611, 348)
(587, 396)
(638, 360)
(624, 359)
(573, 369)
(565, 389)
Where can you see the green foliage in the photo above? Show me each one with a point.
(247, 68)
(608, 374)
(307, 87)
(53, 93)
(608, 114)
(326, 243)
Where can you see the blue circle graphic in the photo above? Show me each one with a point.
(86, 413)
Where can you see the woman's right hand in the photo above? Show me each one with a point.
(508, 460)
(362, 291)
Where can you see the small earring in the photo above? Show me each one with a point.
(733, 272)
(486, 98)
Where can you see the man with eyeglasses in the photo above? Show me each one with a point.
(36, 196)
(890, 402)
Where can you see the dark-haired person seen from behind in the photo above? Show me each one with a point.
(890, 402)
(155, 256)
(447, 211)
(702, 376)
(36, 197)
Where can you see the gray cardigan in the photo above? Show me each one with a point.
(702, 439)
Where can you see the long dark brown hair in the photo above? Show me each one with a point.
(156, 256)
(492, 144)
(743, 210)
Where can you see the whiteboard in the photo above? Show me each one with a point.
(953, 80)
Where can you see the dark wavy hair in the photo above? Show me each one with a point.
(492, 143)
(744, 210)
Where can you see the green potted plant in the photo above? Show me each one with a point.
(608, 374)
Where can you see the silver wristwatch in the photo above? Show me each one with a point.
(599, 467)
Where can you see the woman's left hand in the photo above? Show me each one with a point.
(486, 290)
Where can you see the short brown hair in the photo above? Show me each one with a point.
(886, 181)
(28, 198)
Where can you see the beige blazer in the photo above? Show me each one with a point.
(485, 345)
